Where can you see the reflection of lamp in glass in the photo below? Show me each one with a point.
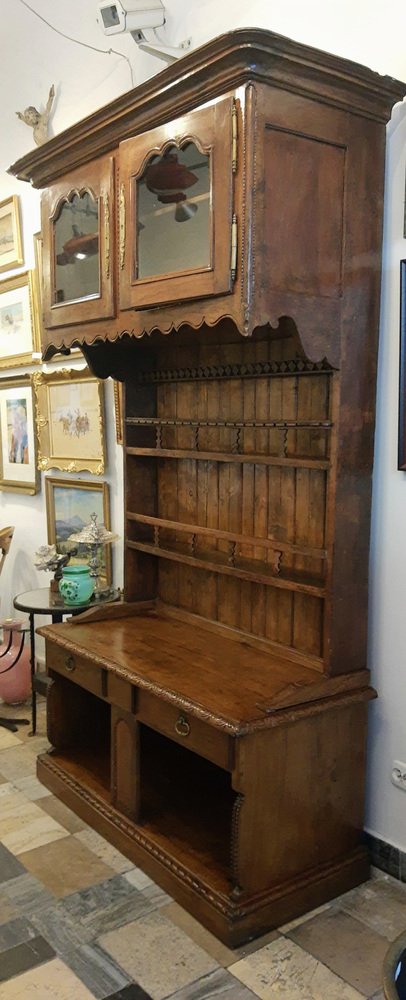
(78, 247)
(168, 179)
(95, 535)
(185, 210)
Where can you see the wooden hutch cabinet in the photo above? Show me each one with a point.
(213, 725)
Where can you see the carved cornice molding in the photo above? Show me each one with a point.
(229, 61)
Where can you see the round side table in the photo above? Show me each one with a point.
(49, 602)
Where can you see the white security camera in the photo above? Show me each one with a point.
(115, 18)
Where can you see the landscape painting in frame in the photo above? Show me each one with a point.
(10, 234)
(17, 453)
(69, 414)
(70, 502)
(19, 337)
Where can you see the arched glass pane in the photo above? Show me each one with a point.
(173, 213)
(76, 232)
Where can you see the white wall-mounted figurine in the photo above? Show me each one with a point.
(38, 121)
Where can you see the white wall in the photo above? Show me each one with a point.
(386, 816)
(372, 33)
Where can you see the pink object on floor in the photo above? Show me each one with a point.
(15, 668)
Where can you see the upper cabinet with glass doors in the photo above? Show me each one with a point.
(78, 232)
(176, 210)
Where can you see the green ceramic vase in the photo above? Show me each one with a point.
(77, 585)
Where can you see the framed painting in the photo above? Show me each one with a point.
(70, 421)
(19, 322)
(18, 466)
(10, 234)
(69, 503)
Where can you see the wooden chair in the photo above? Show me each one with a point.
(6, 535)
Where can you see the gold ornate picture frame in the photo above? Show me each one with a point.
(19, 322)
(11, 254)
(69, 413)
(18, 465)
(118, 410)
(37, 280)
(69, 504)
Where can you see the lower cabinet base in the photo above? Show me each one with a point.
(231, 914)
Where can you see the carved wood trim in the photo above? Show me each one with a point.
(258, 369)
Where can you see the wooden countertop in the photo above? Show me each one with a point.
(231, 684)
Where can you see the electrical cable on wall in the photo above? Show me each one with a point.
(106, 52)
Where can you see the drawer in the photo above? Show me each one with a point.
(185, 729)
(76, 668)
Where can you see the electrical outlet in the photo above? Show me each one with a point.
(398, 775)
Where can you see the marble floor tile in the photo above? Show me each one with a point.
(349, 948)
(156, 897)
(105, 851)
(57, 809)
(97, 970)
(9, 866)
(285, 928)
(8, 911)
(131, 992)
(17, 762)
(219, 985)
(252, 946)
(64, 934)
(24, 956)
(37, 744)
(219, 951)
(138, 878)
(51, 981)
(65, 868)
(282, 969)
(27, 893)
(23, 825)
(8, 739)
(105, 907)
(31, 788)
(16, 932)
(136, 947)
(379, 903)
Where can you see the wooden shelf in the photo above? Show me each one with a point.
(176, 787)
(271, 544)
(216, 565)
(88, 766)
(223, 456)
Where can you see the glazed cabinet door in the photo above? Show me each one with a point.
(176, 209)
(78, 232)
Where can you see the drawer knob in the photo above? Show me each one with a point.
(182, 727)
(69, 664)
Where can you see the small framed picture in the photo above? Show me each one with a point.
(18, 466)
(69, 503)
(19, 322)
(70, 421)
(10, 234)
